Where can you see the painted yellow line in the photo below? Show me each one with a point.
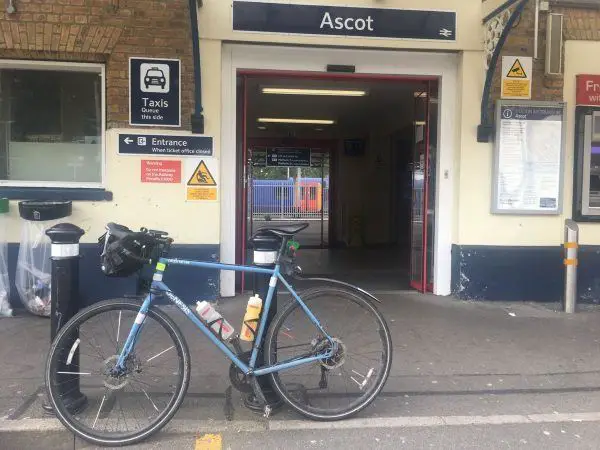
(209, 442)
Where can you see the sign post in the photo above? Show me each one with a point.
(154, 92)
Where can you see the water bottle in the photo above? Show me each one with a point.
(250, 322)
(210, 315)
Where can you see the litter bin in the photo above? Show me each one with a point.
(33, 263)
(5, 309)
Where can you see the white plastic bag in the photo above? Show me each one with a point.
(5, 309)
(34, 268)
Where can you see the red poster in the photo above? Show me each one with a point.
(588, 90)
(161, 171)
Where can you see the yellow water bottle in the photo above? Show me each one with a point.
(250, 323)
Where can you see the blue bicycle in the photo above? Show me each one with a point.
(118, 370)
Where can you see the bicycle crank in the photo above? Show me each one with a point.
(239, 380)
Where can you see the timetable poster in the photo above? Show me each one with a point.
(528, 160)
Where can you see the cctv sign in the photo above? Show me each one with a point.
(155, 92)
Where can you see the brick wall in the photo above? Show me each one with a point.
(108, 31)
(579, 24)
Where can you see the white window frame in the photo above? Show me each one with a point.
(97, 68)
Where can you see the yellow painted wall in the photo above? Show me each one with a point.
(159, 206)
(476, 225)
(580, 58)
(215, 18)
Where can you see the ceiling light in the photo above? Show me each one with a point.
(298, 91)
(420, 94)
(300, 121)
(262, 127)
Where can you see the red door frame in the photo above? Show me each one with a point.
(256, 73)
(424, 286)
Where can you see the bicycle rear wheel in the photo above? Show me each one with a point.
(109, 408)
(350, 380)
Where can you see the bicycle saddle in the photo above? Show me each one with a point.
(285, 231)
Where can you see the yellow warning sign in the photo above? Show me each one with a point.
(516, 77)
(516, 70)
(202, 176)
(201, 193)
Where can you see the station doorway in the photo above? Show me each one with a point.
(352, 155)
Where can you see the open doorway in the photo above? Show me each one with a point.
(354, 156)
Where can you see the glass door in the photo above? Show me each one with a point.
(423, 188)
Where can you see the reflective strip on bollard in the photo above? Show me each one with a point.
(64, 250)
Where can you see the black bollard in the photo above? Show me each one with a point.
(64, 304)
(265, 247)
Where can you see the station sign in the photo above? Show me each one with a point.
(165, 145)
(588, 90)
(155, 92)
(313, 19)
(288, 157)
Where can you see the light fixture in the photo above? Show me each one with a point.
(308, 91)
(420, 94)
(299, 121)
(262, 127)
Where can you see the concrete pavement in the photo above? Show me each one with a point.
(510, 371)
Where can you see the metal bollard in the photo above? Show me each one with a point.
(265, 247)
(65, 302)
(571, 248)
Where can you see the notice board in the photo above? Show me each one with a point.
(528, 157)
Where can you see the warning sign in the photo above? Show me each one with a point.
(516, 77)
(202, 177)
(161, 171)
(516, 71)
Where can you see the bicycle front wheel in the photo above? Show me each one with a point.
(117, 407)
(351, 378)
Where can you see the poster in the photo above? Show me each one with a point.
(528, 158)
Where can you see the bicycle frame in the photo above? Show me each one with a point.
(248, 369)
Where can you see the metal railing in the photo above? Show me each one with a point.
(288, 200)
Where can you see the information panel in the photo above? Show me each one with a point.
(528, 160)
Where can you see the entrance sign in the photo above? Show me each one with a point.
(165, 144)
(528, 160)
(344, 21)
(202, 177)
(155, 92)
(161, 171)
(288, 157)
(516, 77)
(588, 90)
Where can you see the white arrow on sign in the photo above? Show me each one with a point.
(445, 32)
(128, 140)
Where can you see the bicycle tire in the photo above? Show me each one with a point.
(270, 344)
(61, 411)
